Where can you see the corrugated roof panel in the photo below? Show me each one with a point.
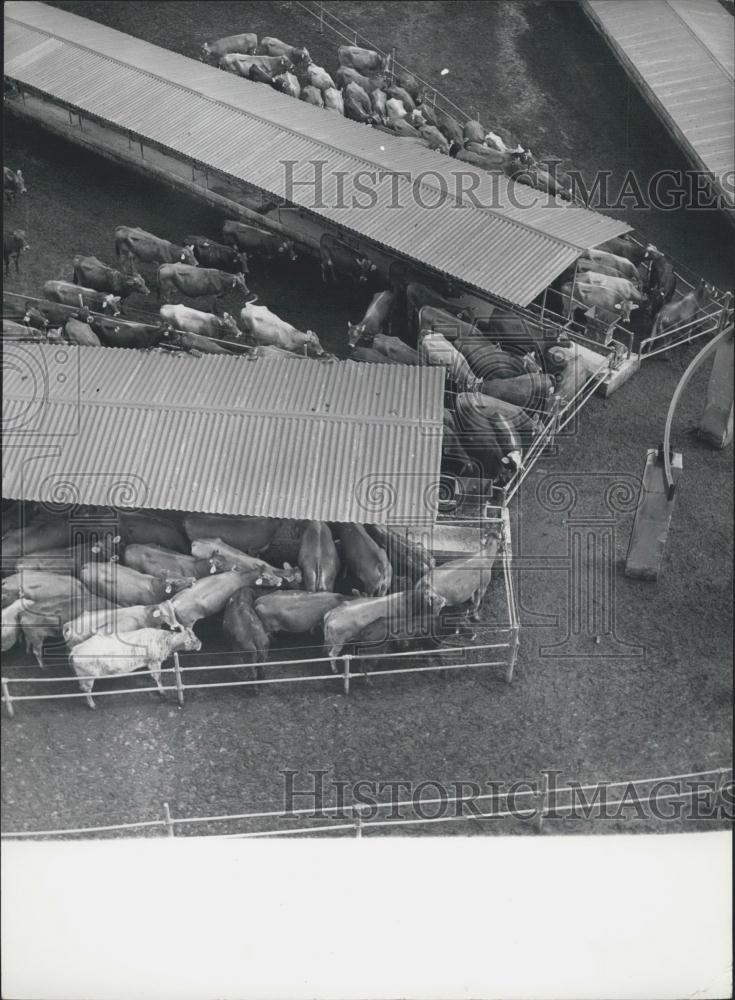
(251, 128)
(272, 437)
(683, 54)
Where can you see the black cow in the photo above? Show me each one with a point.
(217, 255)
(93, 273)
(23, 312)
(14, 244)
(56, 314)
(262, 243)
(123, 333)
(337, 256)
(661, 282)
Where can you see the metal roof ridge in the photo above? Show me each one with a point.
(495, 213)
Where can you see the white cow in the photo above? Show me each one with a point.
(143, 649)
(265, 327)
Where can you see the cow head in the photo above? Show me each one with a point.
(301, 56)
(229, 325)
(625, 309)
(652, 251)
(111, 304)
(19, 235)
(366, 267)
(288, 249)
(205, 53)
(20, 183)
(313, 344)
(189, 641)
(187, 256)
(137, 283)
(268, 579)
(238, 282)
(34, 318)
(291, 575)
(355, 333)
(241, 259)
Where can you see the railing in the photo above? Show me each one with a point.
(548, 801)
(501, 653)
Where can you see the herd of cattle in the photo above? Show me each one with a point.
(365, 89)
(129, 600)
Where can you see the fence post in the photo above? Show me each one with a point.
(169, 824)
(179, 682)
(358, 822)
(7, 700)
(346, 658)
(515, 644)
(321, 18)
(543, 800)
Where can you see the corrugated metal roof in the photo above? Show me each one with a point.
(283, 437)
(512, 246)
(682, 54)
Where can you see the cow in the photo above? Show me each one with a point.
(399, 94)
(377, 316)
(40, 585)
(209, 595)
(295, 611)
(125, 333)
(245, 630)
(312, 95)
(594, 298)
(318, 557)
(364, 559)
(43, 534)
(315, 76)
(402, 127)
(44, 619)
(410, 84)
(242, 65)
(436, 350)
(624, 246)
(156, 560)
(338, 257)
(434, 139)
(661, 283)
(395, 349)
(68, 294)
(358, 106)
(363, 60)
(572, 365)
(419, 295)
(200, 324)
(23, 312)
(529, 391)
(14, 244)
(249, 534)
(494, 431)
(622, 265)
(142, 649)
(68, 561)
(622, 287)
(584, 265)
(681, 313)
(287, 83)
(259, 75)
(57, 314)
(270, 46)
(210, 254)
(492, 159)
(245, 43)
(450, 128)
(197, 282)
(127, 586)
(458, 581)
(132, 243)
(224, 557)
(333, 100)
(454, 456)
(395, 110)
(109, 621)
(150, 529)
(11, 628)
(261, 243)
(13, 184)
(265, 327)
(346, 75)
(409, 559)
(92, 273)
(473, 131)
(344, 623)
(379, 102)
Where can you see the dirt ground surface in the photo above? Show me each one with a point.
(652, 699)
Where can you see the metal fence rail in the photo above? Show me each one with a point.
(542, 803)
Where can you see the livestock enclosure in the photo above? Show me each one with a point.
(92, 162)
